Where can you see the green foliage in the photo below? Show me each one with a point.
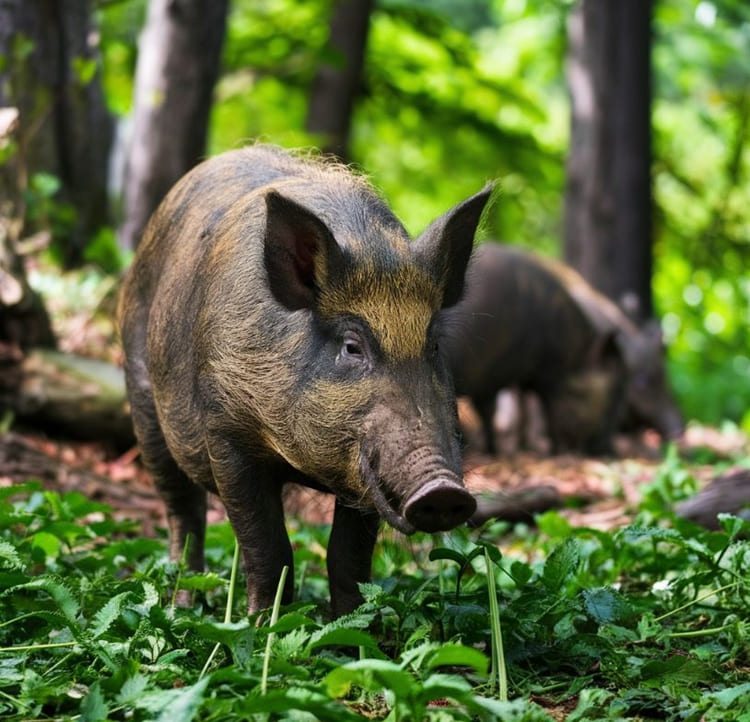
(650, 620)
(702, 190)
(455, 93)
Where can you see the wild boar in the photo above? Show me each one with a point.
(535, 323)
(279, 326)
(518, 326)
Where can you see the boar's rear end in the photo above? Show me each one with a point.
(279, 326)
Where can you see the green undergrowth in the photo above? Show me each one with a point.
(646, 622)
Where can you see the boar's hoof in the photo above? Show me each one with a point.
(438, 506)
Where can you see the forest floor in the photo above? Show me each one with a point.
(597, 492)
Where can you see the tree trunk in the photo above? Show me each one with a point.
(53, 77)
(338, 80)
(178, 63)
(608, 235)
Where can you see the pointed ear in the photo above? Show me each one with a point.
(605, 351)
(445, 247)
(299, 252)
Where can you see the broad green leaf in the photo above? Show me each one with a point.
(520, 572)
(370, 592)
(517, 710)
(373, 675)
(93, 706)
(493, 552)
(48, 543)
(561, 564)
(202, 582)
(733, 525)
(132, 688)
(224, 632)
(296, 699)
(675, 670)
(554, 525)
(184, 705)
(291, 621)
(344, 637)
(468, 617)
(437, 686)
(592, 704)
(634, 533)
(457, 655)
(729, 696)
(605, 605)
(290, 645)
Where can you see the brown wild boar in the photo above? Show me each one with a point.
(279, 326)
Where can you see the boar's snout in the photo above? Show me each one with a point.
(671, 425)
(439, 505)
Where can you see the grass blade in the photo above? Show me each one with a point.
(230, 603)
(499, 670)
(269, 641)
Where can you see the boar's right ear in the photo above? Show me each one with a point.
(299, 252)
(447, 243)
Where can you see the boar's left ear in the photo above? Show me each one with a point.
(446, 245)
(299, 252)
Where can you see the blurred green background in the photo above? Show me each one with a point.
(460, 91)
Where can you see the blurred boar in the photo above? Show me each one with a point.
(279, 326)
(535, 323)
(518, 326)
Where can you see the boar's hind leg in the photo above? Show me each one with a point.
(486, 410)
(185, 501)
(350, 546)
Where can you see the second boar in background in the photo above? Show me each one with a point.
(535, 324)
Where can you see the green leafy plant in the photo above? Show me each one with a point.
(649, 620)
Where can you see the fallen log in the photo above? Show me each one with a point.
(515, 506)
(726, 494)
(78, 397)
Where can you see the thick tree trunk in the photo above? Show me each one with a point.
(178, 63)
(52, 76)
(608, 196)
(338, 81)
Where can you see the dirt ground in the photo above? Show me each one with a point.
(605, 490)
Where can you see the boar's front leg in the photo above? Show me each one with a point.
(252, 497)
(350, 547)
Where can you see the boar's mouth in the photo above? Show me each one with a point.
(381, 499)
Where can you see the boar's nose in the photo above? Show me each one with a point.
(673, 427)
(439, 505)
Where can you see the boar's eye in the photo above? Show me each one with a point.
(352, 348)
